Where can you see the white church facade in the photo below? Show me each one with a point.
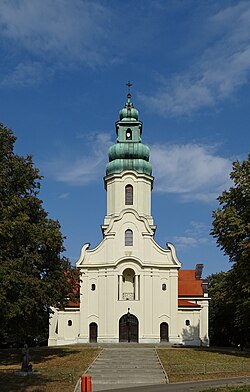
(132, 289)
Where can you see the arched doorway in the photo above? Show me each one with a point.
(93, 332)
(128, 328)
(164, 332)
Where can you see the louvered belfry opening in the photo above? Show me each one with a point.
(129, 195)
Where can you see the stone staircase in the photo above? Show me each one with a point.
(124, 367)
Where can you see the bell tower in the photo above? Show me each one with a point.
(128, 179)
(128, 269)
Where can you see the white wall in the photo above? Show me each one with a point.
(151, 264)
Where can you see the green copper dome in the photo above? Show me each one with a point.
(138, 165)
(129, 112)
(129, 153)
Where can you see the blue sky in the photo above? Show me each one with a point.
(64, 66)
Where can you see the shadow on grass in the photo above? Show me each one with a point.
(55, 379)
(59, 368)
(11, 382)
(225, 351)
(12, 356)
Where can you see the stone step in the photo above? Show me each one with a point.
(106, 362)
(125, 359)
(117, 373)
(127, 367)
(124, 351)
(127, 377)
(136, 366)
(131, 378)
(131, 382)
(138, 354)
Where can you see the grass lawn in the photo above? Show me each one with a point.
(187, 364)
(59, 368)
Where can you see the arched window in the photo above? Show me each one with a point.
(128, 134)
(70, 323)
(128, 237)
(128, 195)
(164, 287)
(93, 287)
(187, 323)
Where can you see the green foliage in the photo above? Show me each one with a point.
(33, 274)
(231, 225)
(231, 228)
(221, 311)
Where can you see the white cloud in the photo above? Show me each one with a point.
(183, 242)
(25, 74)
(217, 73)
(81, 170)
(195, 235)
(59, 32)
(64, 195)
(197, 229)
(192, 171)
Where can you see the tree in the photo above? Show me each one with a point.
(231, 228)
(221, 311)
(33, 275)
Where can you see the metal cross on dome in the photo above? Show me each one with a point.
(129, 84)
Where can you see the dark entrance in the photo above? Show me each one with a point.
(128, 328)
(164, 332)
(93, 333)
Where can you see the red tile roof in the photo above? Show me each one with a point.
(71, 304)
(188, 285)
(183, 303)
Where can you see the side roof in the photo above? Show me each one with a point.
(189, 285)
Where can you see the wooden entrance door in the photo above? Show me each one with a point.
(93, 332)
(164, 332)
(128, 328)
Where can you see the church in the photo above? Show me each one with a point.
(132, 289)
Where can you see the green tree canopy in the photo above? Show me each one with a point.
(33, 275)
(231, 228)
(221, 311)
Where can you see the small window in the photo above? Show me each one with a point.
(164, 287)
(128, 195)
(128, 237)
(187, 323)
(128, 134)
(70, 323)
(93, 287)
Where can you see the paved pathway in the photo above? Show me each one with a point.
(126, 367)
(194, 386)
